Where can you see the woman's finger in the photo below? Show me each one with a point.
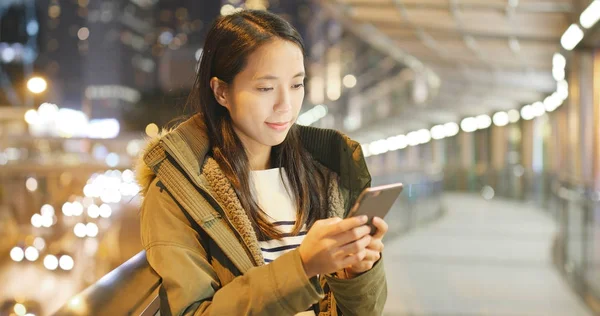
(355, 246)
(382, 227)
(368, 261)
(372, 255)
(352, 235)
(376, 245)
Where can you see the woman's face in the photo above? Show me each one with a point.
(264, 99)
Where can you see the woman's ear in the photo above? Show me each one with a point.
(219, 89)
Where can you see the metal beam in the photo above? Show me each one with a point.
(456, 34)
(530, 7)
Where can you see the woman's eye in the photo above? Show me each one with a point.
(298, 86)
(265, 89)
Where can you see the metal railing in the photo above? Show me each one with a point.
(577, 247)
(130, 289)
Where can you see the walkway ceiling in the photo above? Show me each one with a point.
(489, 54)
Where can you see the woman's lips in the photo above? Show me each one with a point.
(278, 126)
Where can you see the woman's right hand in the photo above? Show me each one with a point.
(333, 244)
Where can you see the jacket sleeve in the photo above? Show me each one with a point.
(191, 285)
(363, 295)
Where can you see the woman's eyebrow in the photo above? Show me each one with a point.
(271, 77)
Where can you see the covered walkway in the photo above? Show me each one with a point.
(481, 258)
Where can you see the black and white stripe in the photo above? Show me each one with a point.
(271, 249)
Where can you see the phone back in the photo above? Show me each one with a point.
(376, 201)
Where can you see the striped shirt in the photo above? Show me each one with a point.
(271, 195)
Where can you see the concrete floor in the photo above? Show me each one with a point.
(482, 258)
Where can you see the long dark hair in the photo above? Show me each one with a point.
(228, 44)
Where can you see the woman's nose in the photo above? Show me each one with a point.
(284, 103)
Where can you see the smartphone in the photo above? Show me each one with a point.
(376, 201)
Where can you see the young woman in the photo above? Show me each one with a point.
(243, 208)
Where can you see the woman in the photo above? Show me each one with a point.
(242, 209)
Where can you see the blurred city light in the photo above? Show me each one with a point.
(152, 130)
(527, 113)
(349, 81)
(397, 142)
(313, 115)
(83, 33)
(49, 120)
(483, 121)
(47, 221)
(47, 210)
(37, 85)
(20, 309)
(488, 192)
(51, 262)
(413, 138)
(451, 129)
(500, 119)
(128, 176)
(31, 184)
(562, 89)
(8, 54)
(17, 254)
(80, 230)
(552, 102)
(227, 9)
(112, 160)
(134, 147)
(103, 128)
(37, 220)
(66, 262)
(67, 209)
(572, 36)
(91, 229)
(438, 132)
(69, 123)
(558, 73)
(77, 208)
(513, 116)
(105, 211)
(538, 109)
(590, 16)
(111, 196)
(424, 136)
(31, 254)
(559, 61)
(31, 117)
(378, 147)
(93, 211)
(469, 124)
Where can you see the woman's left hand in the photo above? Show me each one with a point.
(374, 250)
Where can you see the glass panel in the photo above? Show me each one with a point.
(575, 237)
(592, 273)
